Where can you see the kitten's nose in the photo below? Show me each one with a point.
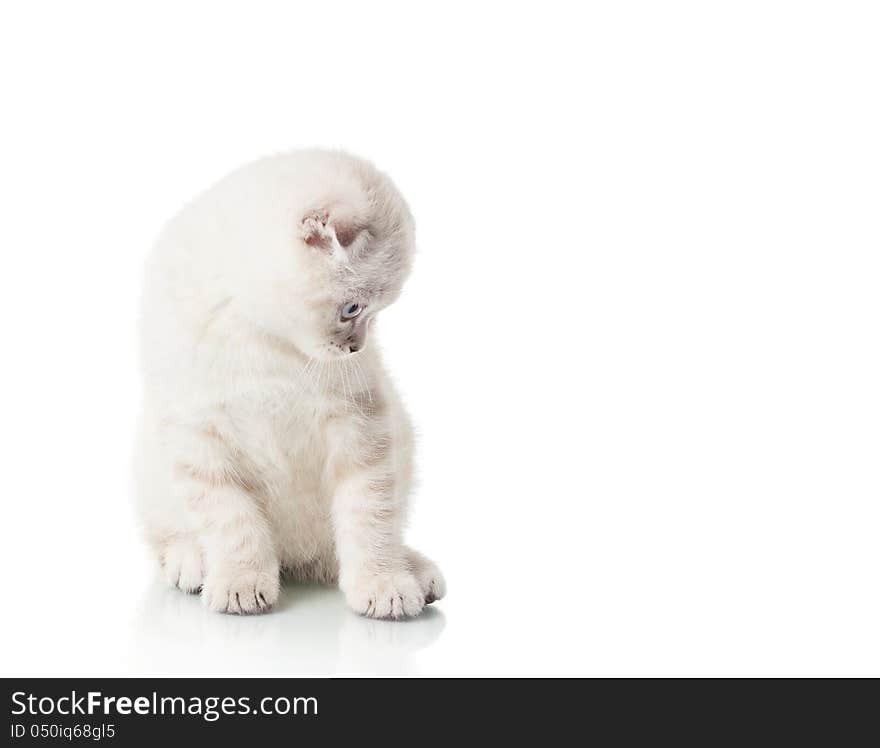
(353, 348)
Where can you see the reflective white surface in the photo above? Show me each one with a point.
(309, 633)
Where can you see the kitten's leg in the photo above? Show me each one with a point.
(220, 501)
(242, 568)
(375, 572)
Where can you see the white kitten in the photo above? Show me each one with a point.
(271, 437)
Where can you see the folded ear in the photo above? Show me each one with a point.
(321, 231)
(346, 233)
(316, 232)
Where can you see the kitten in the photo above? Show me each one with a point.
(271, 437)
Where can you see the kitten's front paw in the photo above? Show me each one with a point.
(241, 590)
(386, 595)
(430, 580)
(181, 562)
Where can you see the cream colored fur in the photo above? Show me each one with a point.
(265, 444)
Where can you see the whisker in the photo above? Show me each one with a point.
(351, 396)
(303, 385)
(362, 375)
(358, 374)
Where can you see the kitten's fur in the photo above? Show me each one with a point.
(265, 445)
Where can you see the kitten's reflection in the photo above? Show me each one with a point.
(310, 633)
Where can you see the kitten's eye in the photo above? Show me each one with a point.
(351, 310)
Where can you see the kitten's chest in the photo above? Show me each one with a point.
(290, 434)
(289, 445)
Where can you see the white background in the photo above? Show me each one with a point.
(640, 342)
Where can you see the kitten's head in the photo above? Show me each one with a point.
(357, 268)
(343, 258)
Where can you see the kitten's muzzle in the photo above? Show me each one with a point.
(355, 340)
